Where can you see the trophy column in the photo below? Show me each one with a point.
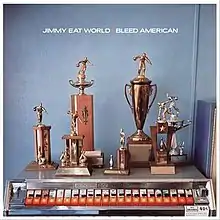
(42, 145)
(42, 142)
(84, 105)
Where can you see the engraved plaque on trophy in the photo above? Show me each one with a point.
(140, 90)
(42, 144)
(83, 104)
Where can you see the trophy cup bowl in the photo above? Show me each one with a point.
(140, 91)
(81, 85)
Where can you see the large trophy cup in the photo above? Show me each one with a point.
(42, 144)
(83, 104)
(140, 90)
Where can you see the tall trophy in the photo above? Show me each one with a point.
(73, 161)
(83, 104)
(140, 89)
(42, 144)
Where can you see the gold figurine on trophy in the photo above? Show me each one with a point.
(39, 109)
(82, 71)
(81, 82)
(74, 118)
(143, 59)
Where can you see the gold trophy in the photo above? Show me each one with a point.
(42, 144)
(140, 90)
(73, 161)
(122, 159)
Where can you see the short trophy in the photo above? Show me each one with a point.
(122, 159)
(168, 123)
(140, 89)
(42, 144)
(73, 161)
(83, 104)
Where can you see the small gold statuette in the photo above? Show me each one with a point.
(143, 59)
(81, 82)
(39, 109)
(74, 118)
(82, 159)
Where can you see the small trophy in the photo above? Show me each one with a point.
(111, 162)
(83, 104)
(73, 161)
(122, 159)
(42, 144)
(168, 123)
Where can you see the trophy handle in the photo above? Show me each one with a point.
(126, 96)
(155, 93)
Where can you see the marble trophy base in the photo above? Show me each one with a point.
(73, 171)
(116, 171)
(164, 169)
(34, 166)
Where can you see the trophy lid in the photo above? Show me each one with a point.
(140, 80)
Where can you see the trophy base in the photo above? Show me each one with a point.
(34, 166)
(116, 172)
(162, 169)
(140, 154)
(140, 137)
(73, 171)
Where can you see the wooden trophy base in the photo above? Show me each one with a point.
(73, 171)
(164, 169)
(34, 166)
(139, 154)
(115, 171)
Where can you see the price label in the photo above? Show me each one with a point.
(197, 210)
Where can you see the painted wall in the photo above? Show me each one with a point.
(206, 67)
(37, 68)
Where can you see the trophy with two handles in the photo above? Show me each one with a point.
(140, 90)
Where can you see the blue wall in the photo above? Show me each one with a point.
(37, 68)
